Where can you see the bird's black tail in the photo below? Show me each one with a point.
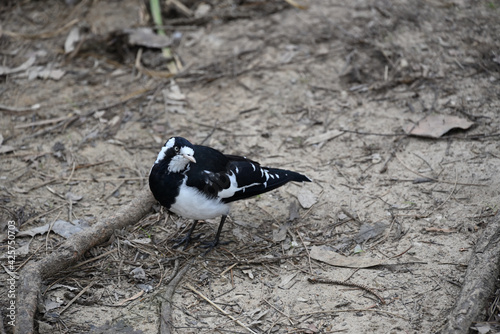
(254, 179)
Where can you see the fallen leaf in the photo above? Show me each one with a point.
(285, 280)
(6, 149)
(326, 255)
(279, 234)
(147, 37)
(73, 38)
(73, 197)
(248, 272)
(434, 126)
(61, 227)
(368, 231)
(293, 211)
(306, 198)
(138, 273)
(50, 305)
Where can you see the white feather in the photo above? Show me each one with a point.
(233, 187)
(192, 204)
(169, 144)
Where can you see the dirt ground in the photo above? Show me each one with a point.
(326, 91)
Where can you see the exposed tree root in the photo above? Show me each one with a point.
(70, 251)
(479, 283)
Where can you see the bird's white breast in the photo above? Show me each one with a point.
(192, 204)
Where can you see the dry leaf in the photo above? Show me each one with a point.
(306, 198)
(147, 38)
(73, 38)
(434, 126)
(279, 234)
(285, 280)
(61, 227)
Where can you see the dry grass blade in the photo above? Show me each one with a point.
(190, 287)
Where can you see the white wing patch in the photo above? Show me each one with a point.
(233, 188)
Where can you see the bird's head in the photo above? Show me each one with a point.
(176, 154)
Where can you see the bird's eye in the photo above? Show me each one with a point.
(176, 148)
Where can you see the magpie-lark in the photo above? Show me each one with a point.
(199, 182)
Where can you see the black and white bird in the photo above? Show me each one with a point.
(199, 182)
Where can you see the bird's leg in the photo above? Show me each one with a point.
(187, 238)
(211, 244)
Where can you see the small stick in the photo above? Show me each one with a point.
(76, 297)
(94, 258)
(71, 175)
(352, 310)
(190, 287)
(113, 191)
(308, 255)
(446, 200)
(439, 180)
(282, 313)
(229, 268)
(50, 228)
(400, 254)
(356, 285)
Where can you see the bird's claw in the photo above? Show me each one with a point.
(186, 240)
(209, 245)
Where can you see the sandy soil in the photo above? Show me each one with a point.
(326, 91)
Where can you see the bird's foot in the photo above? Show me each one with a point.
(186, 240)
(209, 245)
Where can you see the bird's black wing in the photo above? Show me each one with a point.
(248, 178)
(209, 173)
(231, 178)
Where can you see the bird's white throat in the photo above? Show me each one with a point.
(179, 162)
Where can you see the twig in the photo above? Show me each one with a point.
(229, 268)
(210, 134)
(400, 254)
(42, 35)
(446, 200)
(76, 297)
(278, 310)
(18, 109)
(113, 191)
(308, 255)
(94, 258)
(190, 287)
(351, 310)
(295, 4)
(440, 180)
(356, 285)
(71, 175)
(50, 228)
